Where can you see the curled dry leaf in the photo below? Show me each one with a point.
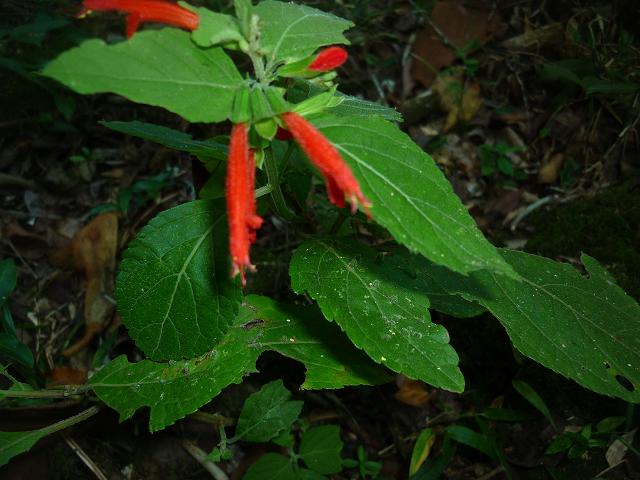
(459, 101)
(549, 172)
(93, 251)
(411, 392)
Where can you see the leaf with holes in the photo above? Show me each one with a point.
(410, 195)
(155, 67)
(585, 328)
(382, 310)
(289, 31)
(175, 389)
(173, 290)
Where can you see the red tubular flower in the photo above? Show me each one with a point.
(340, 181)
(140, 11)
(241, 203)
(284, 135)
(329, 59)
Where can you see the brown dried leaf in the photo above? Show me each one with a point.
(461, 103)
(549, 172)
(411, 392)
(66, 376)
(460, 25)
(533, 40)
(93, 251)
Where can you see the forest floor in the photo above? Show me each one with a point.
(532, 110)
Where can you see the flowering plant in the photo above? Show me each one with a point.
(182, 289)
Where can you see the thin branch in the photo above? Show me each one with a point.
(198, 454)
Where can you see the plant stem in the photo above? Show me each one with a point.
(273, 177)
(68, 422)
(67, 391)
(201, 457)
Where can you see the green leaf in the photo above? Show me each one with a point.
(441, 299)
(352, 106)
(382, 310)
(215, 28)
(289, 31)
(585, 328)
(320, 449)
(472, 439)
(421, 450)
(609, 424)
(156, 67)
(267, 413)
(8, 279)
(204, 149)
(12, 348)
(561, 443)
(244, 9)
(348, 106)
(410, 195)
(173, 290)
(15, 443)
(304, 474)
(531, 396)
(175, 389)
(271, 466)
(301, 333)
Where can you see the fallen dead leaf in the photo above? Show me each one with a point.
(411, 392)
(93, 251)
(460, 102)
(65, 376)
(533, 40)
(550, 171)
(459, 25)
(616, 452)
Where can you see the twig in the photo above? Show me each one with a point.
(7, 180)
(91, 465)
(65, 392)
(198, 454)
(213, 418)
(492, 473)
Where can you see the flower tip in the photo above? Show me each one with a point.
(329, 59)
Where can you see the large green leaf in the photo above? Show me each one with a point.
(289, 31)
(410, 195)
(157, 67)
(440, 298)
(585, 328)
(382, 309)
(175, 389)
(301, 333)
(320, 449)
(267, 413)
(175, 139)
(174, 292)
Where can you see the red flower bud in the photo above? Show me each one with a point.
(241, 203)
(329, 59)
(140, 11)
(340, 181)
